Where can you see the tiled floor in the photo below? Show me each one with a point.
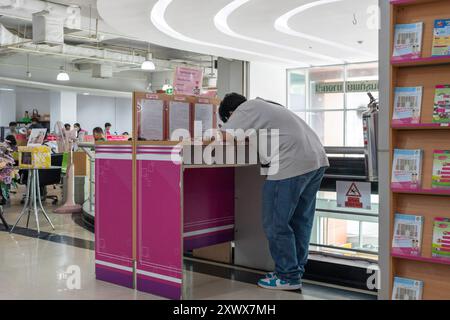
(34, 268)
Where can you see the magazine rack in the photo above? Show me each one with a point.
(428, 72)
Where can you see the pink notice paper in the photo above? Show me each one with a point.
(407, 57)
(159, 221)
(208, 207)
(188, 81)
(113, 214)
(406, 251)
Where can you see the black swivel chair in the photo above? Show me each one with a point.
(47, 177)
(2, 219)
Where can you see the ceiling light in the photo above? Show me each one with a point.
(6, 89)
(157, 17)
(148, 64)
(221, 23)
(63, 75)
(86, 93)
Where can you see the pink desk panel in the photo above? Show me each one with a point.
(113, 214)
(159, 221)
(208, 206)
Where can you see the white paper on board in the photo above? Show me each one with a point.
(151, 125)
(178, 116)
(204, 113)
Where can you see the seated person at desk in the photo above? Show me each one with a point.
(13, 128)
(34, 125)
(80, 132)
(12, 142)
(289, 193)
(98, 134)
(108, 129)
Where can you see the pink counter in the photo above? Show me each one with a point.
(113, 208)
(178, 208)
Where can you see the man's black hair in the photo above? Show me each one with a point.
(98, 130)
(108, 124)
(230, 103)
(13, 123)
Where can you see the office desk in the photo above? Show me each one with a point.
(143, 228)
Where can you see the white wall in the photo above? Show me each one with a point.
(95, 111)
(267, 81)
(230, 77)
(69, 107)
(29, 99)
(7, 107)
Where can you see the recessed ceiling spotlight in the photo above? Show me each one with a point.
(86, 93)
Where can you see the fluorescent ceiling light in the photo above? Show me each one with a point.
(6, 89)
(148, 64)
(63, 75)
(158, 20)
(221, 23)
(282, 25)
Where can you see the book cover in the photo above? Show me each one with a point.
(407, 105)
(441, 38)
(407, 238)
(407, 169)
(441, 169)
(408, 41)
(441, 238)
(407, 289)
(441, 111)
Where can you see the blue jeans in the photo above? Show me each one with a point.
(288, 214)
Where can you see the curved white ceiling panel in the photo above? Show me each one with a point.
(308, 33)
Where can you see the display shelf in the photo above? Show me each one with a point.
(435, 192)
(420, 258)
(425, 61)
(421, 126)
(427, 72)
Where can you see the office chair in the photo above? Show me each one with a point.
(47, 177)
(3, 219)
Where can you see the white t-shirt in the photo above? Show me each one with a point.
(300, 150)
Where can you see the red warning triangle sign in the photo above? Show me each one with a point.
(353, 191)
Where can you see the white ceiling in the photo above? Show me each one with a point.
(313, 32)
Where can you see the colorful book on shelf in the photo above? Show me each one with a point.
(407, 289)
(441, 111)
(407, 238)
(407, 169)
(441, 169)
(407, 105)
(441, 38)
(441, 238)
(408, 41)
